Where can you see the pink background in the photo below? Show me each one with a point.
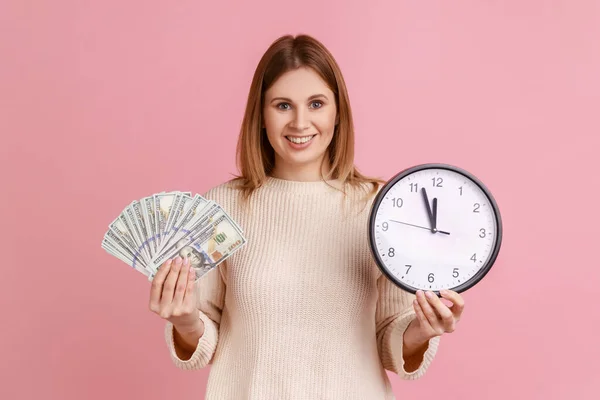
(105, 102)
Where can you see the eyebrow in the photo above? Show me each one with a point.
(314, 96)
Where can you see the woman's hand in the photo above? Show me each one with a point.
(173, 296)
(434, 318)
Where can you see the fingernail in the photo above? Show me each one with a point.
(429, 294)
(185, 261)
(178, 260)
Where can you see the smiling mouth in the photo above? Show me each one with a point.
(300, 140)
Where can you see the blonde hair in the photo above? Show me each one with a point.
(255, 155)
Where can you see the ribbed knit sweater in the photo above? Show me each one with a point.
(301, 311)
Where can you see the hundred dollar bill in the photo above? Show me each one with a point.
(172, 212)
(117, 252)
(209, 213)
(195, 208)
(212, 246)
(138, 220)
(149, 221)
(124, 232)
(117, 241)
(163, 202)
(180, 206)
(114, 251)
(138, 236)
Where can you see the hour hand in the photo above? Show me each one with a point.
(429, 212)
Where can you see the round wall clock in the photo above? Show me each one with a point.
(435, 227)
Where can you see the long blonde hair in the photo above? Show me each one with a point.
(255, 155)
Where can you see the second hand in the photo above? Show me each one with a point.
(417, 226)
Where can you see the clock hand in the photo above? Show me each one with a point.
(429, 212)
(417, 226)
(434, 215)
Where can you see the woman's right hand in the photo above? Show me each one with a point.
(173, 296)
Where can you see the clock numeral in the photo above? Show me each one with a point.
(398, 202)
(431, 277)
(385, 226)
(455, 272)
(474, 257)
(460, 190)
(391, 252)
(437, 182)
(482, 233)
(476, 207)
(414, 187)
(409, 267)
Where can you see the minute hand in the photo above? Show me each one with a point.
(418, 226)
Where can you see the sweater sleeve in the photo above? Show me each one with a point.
(394, 314)
(210, 299)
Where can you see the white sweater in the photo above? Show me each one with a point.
(302, 311)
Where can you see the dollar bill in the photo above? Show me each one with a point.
(191, 231)
(117, 252)
(136, 232)
(180, 206)
(170, 224)
(138, 221)
(212, 246)
(116, 240)
(163, 204)
(194, 209)
(124, 231)
(171, 216)
(149, 221)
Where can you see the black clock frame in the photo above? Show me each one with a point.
(391, 182)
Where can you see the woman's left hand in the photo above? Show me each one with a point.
(434, 318)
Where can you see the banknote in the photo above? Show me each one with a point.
(149, 221)
(209, 248)
(136, 232)
(116, 251)
(163, 203)
(194, 209)
(191, 232)
(117, 240)
(165, 225)
(124, 231)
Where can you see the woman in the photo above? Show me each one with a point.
(302, 311)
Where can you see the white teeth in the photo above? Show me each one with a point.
(299, 140)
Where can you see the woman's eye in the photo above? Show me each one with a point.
(286, 106)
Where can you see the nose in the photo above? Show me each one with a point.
(300, 121)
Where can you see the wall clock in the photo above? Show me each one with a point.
(433, 227)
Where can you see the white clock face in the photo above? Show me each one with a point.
(448, 257)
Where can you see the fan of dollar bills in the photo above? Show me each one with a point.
(170, 224)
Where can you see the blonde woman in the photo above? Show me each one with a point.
(302, 311)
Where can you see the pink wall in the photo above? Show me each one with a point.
(105, 102)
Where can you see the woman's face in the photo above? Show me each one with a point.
(299, 116)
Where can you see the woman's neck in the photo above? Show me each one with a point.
(301, 173)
